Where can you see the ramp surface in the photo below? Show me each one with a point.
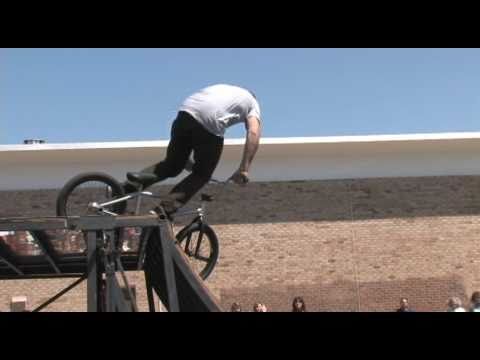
(193, 295)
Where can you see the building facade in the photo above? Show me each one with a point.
(348, 223)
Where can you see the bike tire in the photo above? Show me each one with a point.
(153, 252)
(182, 236)
(72, 184)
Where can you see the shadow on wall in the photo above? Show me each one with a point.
(428, 294)
(293, 201)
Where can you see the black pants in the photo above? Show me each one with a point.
(189, 135)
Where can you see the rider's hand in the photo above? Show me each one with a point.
(240, 177)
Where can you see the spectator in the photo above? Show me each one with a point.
(298, 305)
(455, 305)
(404, 306)
(475, 302)
(259, 307)
(128, 239)
(236, 307)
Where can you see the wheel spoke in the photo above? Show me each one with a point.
(187, 245)
(200, 250)
(202, 258)
(199, 242)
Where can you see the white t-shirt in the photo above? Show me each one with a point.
(218, 107)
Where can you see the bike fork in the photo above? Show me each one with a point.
(199, 240)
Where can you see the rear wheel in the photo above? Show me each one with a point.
(76, 195)
(82, 190)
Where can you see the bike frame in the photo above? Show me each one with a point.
(200, 212)
(198, 218)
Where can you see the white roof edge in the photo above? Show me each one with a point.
(264, 141)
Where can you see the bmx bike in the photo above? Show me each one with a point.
(96, 193)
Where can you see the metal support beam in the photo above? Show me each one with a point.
(167, 241)
(142, 246)
(103, 256)
(119, 301)
(115, 297)
(41, 276)
(8, 257)
(92, 268)
(128, 289)
(93, 222)
(11, 265)
(64, 291)
(101, 293)
(47, 250)
(150, 298)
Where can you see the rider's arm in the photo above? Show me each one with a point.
(252, 125)
(253, 128)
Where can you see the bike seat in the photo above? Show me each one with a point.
(140, 177)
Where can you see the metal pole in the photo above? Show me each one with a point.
(92, 268)
(167, 240)
(142, 246)
(151, 300)
(119, 300)
(101, 293)
(129, 291)
(64, 291)
(109, 292)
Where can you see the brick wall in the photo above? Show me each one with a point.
(345, 245)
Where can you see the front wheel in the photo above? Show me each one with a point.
(197, 241)
(200, 244)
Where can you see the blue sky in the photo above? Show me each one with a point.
(83, 95)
